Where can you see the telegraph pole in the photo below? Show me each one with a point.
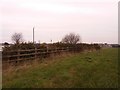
(34, 43)
(33, 35)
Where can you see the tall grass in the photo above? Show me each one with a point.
(98, 69)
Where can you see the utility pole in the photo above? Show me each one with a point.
(34, 43)
(33, 35)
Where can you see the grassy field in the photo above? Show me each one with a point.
(98, 69)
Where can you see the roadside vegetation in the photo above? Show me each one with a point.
(97, 69)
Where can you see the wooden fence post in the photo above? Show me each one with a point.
(67, 49)
(18, 57)
(35, 53)
(8, 58)
(47, 48)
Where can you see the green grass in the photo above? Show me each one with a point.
(85, 70)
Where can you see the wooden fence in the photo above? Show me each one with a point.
(31, 54)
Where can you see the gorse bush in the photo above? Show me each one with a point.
(24, 46)
(72, 47)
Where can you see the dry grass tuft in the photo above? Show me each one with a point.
(34, 63)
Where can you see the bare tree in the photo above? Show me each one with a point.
(17, 38)
(71, 38)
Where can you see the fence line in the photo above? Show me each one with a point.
(20, 55)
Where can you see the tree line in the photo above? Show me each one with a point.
(70, 40)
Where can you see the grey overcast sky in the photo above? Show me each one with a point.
(94, 20)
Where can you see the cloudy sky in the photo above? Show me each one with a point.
(94, 20)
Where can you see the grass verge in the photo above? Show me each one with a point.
(98, 69)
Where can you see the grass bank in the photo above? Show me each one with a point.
(98, 69)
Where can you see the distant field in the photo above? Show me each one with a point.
(98, 69)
